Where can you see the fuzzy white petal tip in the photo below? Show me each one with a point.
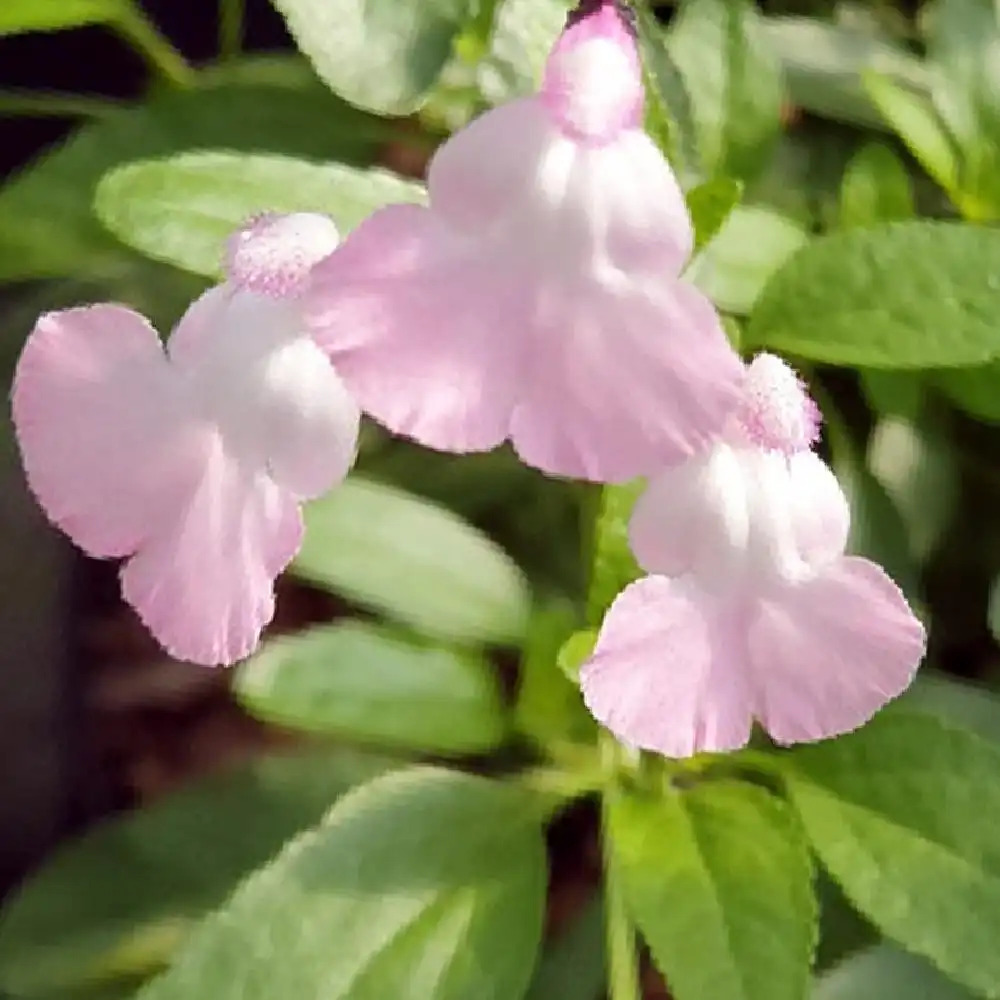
(273, 254)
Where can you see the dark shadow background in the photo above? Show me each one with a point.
(94, 61)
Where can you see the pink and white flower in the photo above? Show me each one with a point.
(191, 462)
(752, 609)
(538, 297)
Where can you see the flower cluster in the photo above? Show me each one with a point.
(538, 298)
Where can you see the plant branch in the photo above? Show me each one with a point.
(623, 964)
(51, 104)
(140, 32)
(232, 18)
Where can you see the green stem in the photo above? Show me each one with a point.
(475, 39)
(623, 965)
(764, 763)
(560, 787)
(139, 31)
(54, 105)
(232, 16)
(575, 757)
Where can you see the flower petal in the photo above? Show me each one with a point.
(694, 516)
(426, 333)
(623, 381)
(666, 673)
(225, 338)
(562, 202)
(98, 416)
(194, 334)
(633, 197)
(485, 168)
(555, 298)
(204, 585)
(253, 370)
(820, 515)
(593, 76)
(309, 422)
(827, 654)
(740, 517)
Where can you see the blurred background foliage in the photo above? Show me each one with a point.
(445, 586)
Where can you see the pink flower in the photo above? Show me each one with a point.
(191, 462)
(538, 297)
(753, 611)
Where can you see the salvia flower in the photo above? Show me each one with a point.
(538, 297)
(190, 462)
(752, 610)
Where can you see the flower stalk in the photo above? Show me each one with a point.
(140, 32)
(623, 965)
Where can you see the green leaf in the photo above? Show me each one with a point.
(47, 225)
(824, 64)
(572, 967)
(383, 55)
(718, 878)
(710, 204)
(536, 518)
(993, 612)
(474, 485)
(523, 35)
(751, 246)
(277, 68)
(613, 566)
(877, 529)
(181, 210)
(360, 682)
(961, 35)
(415, 561)
(802, 179)
(963, 41)
(574, 651)
(842, 930)
(904, 814)
(876, 188)
(125, 990)
(734, 82)
(669, 117)
(902, 295)
(886, 973)
(912, 116)
(473, 41)
(733, 329)
(423, 885)
(897, 394)
(973, 389)
(915, 463)
(962, 703)
(116, 904)
(54, 15)
(549, 706)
